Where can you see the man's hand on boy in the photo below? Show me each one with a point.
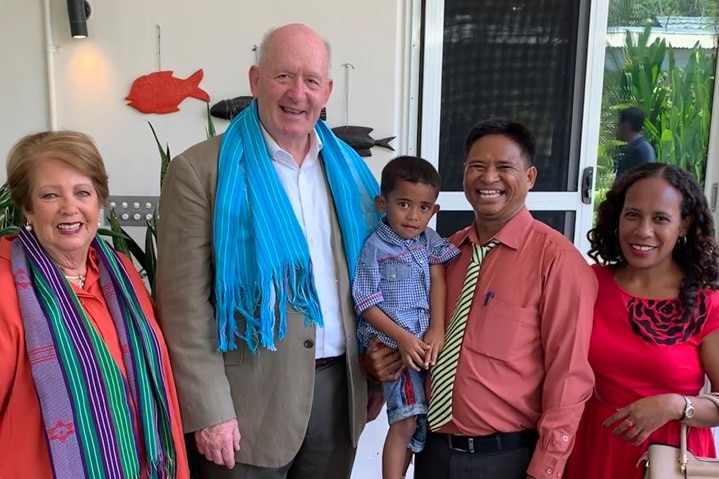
(381, 364)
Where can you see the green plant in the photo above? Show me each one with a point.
(677, 100)
(11, 216)
(147, 257)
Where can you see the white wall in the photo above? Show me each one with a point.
(92, 77)
(23, 96)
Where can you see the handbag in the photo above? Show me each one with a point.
(670, 462)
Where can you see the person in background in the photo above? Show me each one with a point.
(656, 324)
(638, 150)
(86, 387)
(399, 290)
(507, 394)
(260, 232)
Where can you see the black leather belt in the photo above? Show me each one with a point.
(497, 442)
(322, 362)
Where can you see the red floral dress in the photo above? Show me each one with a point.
(639, 347)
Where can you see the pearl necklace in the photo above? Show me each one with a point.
(80, 278)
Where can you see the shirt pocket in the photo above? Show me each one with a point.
(503, 331)
(395, 271)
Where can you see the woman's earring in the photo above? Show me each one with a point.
(682, 241)
(28, 227)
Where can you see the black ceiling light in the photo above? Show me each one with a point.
(78, 11)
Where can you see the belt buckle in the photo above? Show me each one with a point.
(470, 445)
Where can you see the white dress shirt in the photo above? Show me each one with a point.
(306, 189)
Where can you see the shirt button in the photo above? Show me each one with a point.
(549, 470)
(394, 275)
(309, 343)
(565, 438)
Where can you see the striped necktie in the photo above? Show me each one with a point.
(440, 404)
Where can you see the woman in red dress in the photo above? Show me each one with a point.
(656, 324)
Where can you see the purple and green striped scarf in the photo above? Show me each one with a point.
(92, 431)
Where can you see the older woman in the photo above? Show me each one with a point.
(86, 389)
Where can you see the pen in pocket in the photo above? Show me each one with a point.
(487, 297)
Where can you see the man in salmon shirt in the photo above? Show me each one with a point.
(505, 403)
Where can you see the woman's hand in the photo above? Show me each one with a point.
(637, 421)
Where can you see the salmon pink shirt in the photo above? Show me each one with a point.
(523, 363)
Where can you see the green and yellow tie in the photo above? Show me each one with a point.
(440, 404)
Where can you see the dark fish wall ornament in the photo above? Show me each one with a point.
(358, 138)
(161, 92)
(229, 108)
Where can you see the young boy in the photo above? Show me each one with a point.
(399, 291)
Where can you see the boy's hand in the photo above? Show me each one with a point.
(435, 340)
(413, 350)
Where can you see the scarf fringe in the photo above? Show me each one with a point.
(294, 289)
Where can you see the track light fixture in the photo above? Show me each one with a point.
(78, 11)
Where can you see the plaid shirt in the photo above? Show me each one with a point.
(393, 274)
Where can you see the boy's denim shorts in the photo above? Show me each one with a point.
(405, 398)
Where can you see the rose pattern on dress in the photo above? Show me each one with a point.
(661, 321)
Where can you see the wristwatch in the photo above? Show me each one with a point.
(688, 409)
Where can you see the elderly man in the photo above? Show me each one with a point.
(260, 232)
(510, 384)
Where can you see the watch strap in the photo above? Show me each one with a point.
(687, 404)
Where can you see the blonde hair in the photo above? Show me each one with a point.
(77, 150)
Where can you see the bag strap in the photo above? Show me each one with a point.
(683, 456)
(713, 397)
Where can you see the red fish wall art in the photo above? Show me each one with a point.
(160, 92)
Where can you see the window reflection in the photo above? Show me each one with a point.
(661, 57)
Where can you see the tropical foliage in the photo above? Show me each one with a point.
(677, 100)
(637, 12)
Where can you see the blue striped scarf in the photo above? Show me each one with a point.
(262, 257)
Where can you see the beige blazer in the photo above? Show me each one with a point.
(270, 393)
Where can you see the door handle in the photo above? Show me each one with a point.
(587, 177)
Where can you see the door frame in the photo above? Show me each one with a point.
(429, 68)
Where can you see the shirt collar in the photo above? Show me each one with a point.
(388, 234)
(511, 234)
(282, 156)
(636, 139)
